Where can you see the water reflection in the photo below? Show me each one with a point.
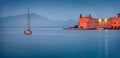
(99, 43)
(106, 44)
(103, 38)
(28, 37)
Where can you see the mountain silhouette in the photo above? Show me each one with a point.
(35, 21)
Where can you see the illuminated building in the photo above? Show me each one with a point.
(83, 21)
(114, 22)
(87, 22)
(102, 23)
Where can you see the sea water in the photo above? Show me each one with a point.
(59, 43)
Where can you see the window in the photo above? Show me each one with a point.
(118, 22)
(114, 22)
(81, 27)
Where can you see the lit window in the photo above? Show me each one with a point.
(99, 19)
(105, 19)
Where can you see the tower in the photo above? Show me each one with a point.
(118, 15)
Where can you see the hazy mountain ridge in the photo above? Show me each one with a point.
(35, 21)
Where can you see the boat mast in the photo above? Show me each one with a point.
(28, 19)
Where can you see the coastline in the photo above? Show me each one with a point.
(72, 28)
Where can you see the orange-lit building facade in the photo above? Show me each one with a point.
(86, 22)
(83, 21)
(114, 22)
(103, 23)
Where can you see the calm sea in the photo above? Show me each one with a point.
(59, 43)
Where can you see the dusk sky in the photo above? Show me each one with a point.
(61, 9)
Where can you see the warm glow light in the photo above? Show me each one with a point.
(105, 19)
(99, 19)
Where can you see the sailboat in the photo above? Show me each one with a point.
(28, 31)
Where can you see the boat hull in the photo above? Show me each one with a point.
(28, 32)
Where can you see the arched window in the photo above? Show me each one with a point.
(81, 27)
(111, 26)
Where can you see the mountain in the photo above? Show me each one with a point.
(35, 21)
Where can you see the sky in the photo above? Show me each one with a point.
(61, 9)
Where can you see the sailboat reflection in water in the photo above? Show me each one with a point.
(28, 31)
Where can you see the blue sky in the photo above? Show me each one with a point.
(61, 9)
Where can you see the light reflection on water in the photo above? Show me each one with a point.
(106, 48)
(99, 43)
(59, 43)
(106, 44)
